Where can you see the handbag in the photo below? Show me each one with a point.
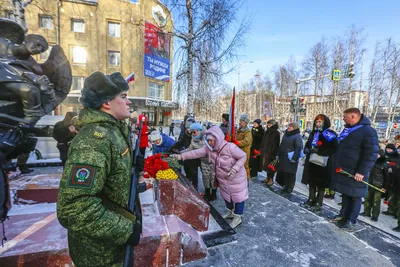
(319, 160)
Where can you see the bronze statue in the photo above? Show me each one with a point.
(40, 88)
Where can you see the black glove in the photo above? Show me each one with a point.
(9, 141)
(134, 239)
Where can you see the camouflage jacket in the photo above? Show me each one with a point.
(99, 164)
(244, 137)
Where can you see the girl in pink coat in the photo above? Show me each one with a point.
(228, 161)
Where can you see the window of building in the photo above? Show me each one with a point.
(134, 1)
(77, 25)
(45, 55)
(156, 90)
(114, 58)
(45, 22)
(79, 55)
(77, 83)
(114, 29)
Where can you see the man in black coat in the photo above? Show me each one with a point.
(356, 154)
(257, 133)
(269, 149)
(63, 133)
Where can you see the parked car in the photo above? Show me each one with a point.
(46, 147)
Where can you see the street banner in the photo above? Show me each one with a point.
(156, 53)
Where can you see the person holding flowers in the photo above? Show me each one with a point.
(257, 133)
(321, 145)
(393, 159)
(356, 154)
(269, 150)
(228, 160)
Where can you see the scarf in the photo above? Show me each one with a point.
(327, 134)
(347, 131)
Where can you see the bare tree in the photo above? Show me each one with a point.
(202, 28)
(316, 65)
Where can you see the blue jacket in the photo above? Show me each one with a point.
(356, 153)
(165, 145)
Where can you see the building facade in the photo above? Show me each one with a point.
(133, 37)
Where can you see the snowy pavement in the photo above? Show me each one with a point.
(278, 232)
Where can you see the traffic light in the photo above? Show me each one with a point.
(293, 103)
(302, 108)
(350, 71)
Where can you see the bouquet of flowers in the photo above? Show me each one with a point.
(272, 165)
(340, 170)
(153, 164)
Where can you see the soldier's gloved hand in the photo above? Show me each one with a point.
(9, 140)
(231, 173)
(176, 156)
(134, 239)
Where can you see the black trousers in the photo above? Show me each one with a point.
(191, 169)
(287, 180)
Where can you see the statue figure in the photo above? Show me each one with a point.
(39, 87)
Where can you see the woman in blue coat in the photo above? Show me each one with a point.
(161, 142)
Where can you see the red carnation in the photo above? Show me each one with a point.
(165, 156)
(338, 170)
(319, 143)
(386, 202)
(392, 163)
(256, 152)
(146, 175)
(254, 157)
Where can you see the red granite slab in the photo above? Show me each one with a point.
(178, 199)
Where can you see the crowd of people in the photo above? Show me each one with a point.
(94, 188)
(333, 162)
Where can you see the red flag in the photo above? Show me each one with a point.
(231, 130)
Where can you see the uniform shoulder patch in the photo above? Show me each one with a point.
(82, 176)
(99, 132)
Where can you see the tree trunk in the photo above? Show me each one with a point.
(190, 98)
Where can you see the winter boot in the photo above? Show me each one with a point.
(228, 214)
(270, 182)
(213, 195)
(237, 220)
(316, 208)
(307, 204)
(365, 214)
(207, 194)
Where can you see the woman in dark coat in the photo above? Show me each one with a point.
(287, 168)
(269, 149)
(323, 142)
(257, 133)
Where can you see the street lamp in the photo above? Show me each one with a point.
(238, 90)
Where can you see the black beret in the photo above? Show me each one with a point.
(99, 88)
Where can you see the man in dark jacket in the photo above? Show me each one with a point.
(225, 123)
(171, 129)
(269, 149)
(392, 192)
(63, 133)
(257, 133)
(190, 166)
(356, 154)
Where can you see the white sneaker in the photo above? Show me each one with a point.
(228, 214)
(237, 220)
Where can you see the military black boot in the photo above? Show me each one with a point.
(207, 194)
(213, 195)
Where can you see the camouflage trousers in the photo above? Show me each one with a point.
(372, 203)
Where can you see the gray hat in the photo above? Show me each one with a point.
(189, 122)
(155, 135)
(99, 88)
(244, 118)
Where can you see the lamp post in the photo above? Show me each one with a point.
(238, 99)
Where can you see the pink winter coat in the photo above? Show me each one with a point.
(224, 157)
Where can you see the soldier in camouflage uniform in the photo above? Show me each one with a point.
(94, 189)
